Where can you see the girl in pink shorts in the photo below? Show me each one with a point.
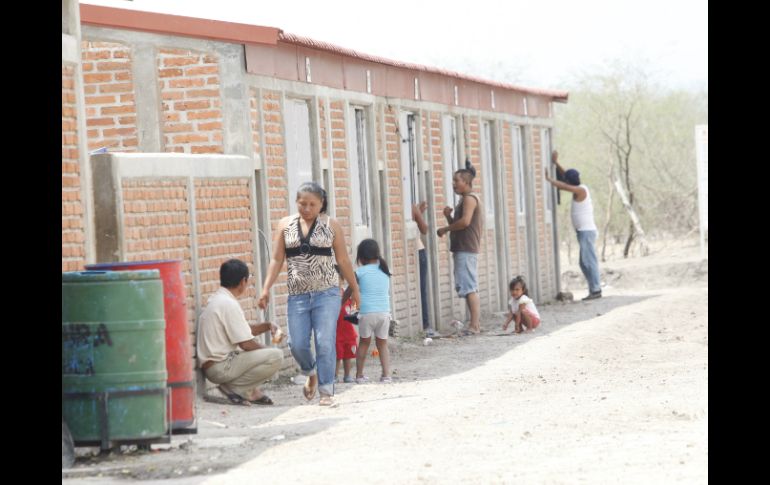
(522, 309)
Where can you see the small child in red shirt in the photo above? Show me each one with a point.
(347, 341)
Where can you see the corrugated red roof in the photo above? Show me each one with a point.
(326, 46)
(245, 33)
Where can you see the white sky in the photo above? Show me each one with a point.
(536, 43)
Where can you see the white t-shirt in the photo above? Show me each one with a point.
(513, 305)
(221, 326)
(583, 213)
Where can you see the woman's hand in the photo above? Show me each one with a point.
(355, 298)
(264, 299)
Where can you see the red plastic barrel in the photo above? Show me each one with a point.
(179, 364)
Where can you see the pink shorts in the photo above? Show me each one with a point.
(533, 319)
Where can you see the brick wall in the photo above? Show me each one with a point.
(275, 167)
(190, 99)
(394, 197)
(517, 237)
(72, 222)
(156, 225)
(223, 225)
(544, 231)
(340, 169)
(322, 128)
(510, 201)
(109, 94)
(256, 123)
(444, 270)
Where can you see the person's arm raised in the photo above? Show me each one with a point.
(559, 168)
(417, 210)
(575, 189)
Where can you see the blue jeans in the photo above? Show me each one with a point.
(589, 265)
(316, 311)
(424, 286)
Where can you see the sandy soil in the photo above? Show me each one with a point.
(609, 391)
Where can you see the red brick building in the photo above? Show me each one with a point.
(210, 126)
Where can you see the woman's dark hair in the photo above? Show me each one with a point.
(468, 173)
(232, 272)
(368, 250)
(315, 189)
(516, 281)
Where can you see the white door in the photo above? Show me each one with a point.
(408, 162)
(299, 160)
(451, 157)
(360, 193)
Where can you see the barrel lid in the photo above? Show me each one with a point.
(88, 276)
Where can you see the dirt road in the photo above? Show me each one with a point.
(609, 391)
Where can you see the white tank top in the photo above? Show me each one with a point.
(583, 213)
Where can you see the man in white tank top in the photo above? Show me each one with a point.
(582, 212)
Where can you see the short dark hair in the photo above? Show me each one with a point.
(468, 173)
(232, 272)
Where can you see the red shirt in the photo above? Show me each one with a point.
(347, 337)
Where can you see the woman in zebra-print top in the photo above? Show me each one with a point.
(311, 242)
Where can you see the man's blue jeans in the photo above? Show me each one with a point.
(316, 311)
(424, 287)
(589, 265)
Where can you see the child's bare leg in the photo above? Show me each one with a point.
(347, 363)
(526, 321)
(382, 346)
(363, 348)
(517, 320)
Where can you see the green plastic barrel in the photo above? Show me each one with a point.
(113, 357)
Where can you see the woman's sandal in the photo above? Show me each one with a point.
(309, 392)
(326, 400)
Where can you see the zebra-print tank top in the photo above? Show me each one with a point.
(310, 272)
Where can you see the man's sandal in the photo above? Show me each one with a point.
(264, 400)
(233, 397)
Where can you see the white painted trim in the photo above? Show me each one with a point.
(131, 165)
(70, 52)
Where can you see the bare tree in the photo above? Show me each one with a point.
(613, 100)
(619, 138)
(620, 127)
(608, 213)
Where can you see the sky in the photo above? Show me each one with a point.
(534, 43)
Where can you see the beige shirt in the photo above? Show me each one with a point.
(221, 326)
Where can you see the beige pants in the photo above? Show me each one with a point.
(243, 371)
